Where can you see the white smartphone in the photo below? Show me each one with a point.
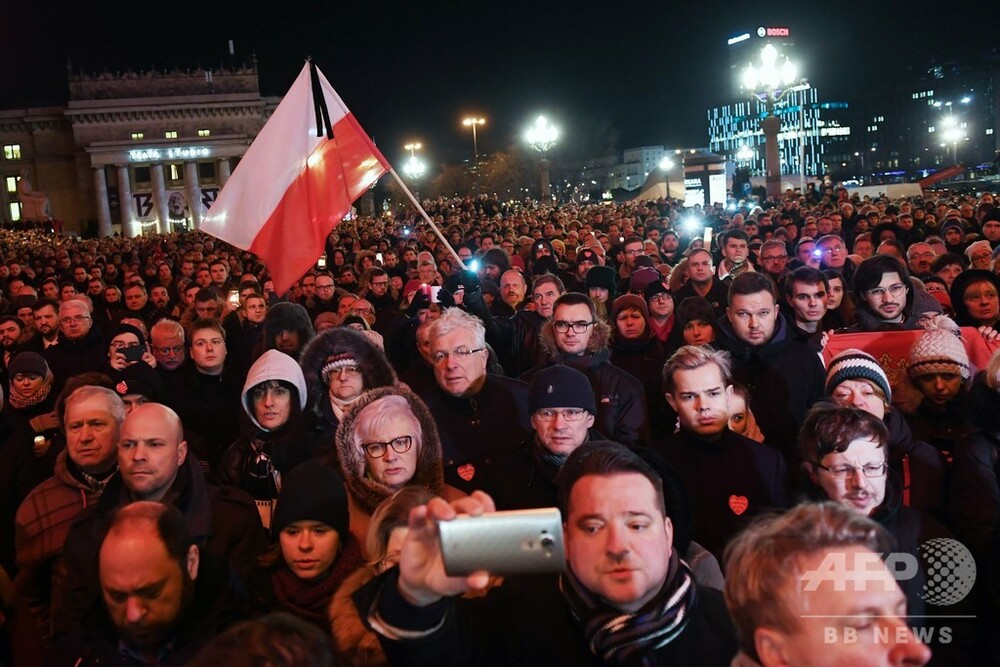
(435, 294)
(503, 543)
(234, 297)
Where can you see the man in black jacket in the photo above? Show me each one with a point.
(624, 598)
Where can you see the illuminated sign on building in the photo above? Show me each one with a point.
(739, 38)
(773, 32)
(153, 154)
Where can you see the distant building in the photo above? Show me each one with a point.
(133, 152)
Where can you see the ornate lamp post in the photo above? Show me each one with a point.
(768, 82)
(542, 136)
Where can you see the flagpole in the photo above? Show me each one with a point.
(428, 219)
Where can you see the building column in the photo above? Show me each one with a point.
(193, 193)
(130, 226)
(103, 208)
(771, 125)
(160, 199)
(223, 171)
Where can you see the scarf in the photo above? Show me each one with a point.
(339, 406)
(620, 638)
(310, 599)
(20, 401)
(546, 461)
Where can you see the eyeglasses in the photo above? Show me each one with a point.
(569, 414)
(846, 471)
(982, 255)
(562, 326)
(380, 283)
(461, 354)
(344, 372)
(121, 345)
(879, 292)
(662, 296)
(74, 318)
(324, 287)
(377, 450)
(633, 252)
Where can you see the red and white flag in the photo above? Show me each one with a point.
(292, 188)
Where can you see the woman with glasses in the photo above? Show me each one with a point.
(845, 458)
(274, 396)
(388, 440)
(339, 364)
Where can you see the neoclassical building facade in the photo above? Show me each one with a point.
(132, 152)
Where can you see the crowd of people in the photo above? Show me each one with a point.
(187, 451)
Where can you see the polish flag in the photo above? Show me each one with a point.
(292, 188)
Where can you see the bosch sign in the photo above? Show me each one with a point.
(772, 32)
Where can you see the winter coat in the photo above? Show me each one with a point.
(210, 407)
(643, 359)
(221, 520)
(920, 466)
(475, 429)
(366, 493)
(72, 357)
(728, 482)
(527, 622)
(515, 338)
(784, 379)
(355, 644)
(621, 399)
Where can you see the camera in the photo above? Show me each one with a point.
(133, 353)
(503, 543)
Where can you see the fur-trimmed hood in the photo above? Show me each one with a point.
(354, 642)
(287, 315)
(600, 338)
(375, 368)
(273, 365)
(367, 492)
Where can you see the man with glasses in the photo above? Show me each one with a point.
(885, 297)
(479, 415)
(378, 294)
(919, 259)
(81, 347)
(774, 259)
(833, 255)
(326, 296)
(577, 337)
(728, 478)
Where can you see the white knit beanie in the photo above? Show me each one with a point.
(939, 350)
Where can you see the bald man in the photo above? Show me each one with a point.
(156, 465)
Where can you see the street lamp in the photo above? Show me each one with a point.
(954, 134)
(414, 167)
(473, 122)
(542, 136)
(768, 82)
(666, 164)
(413, 147)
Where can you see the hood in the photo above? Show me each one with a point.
(430, 467)
(273, 365)
(375, 368)
(599, 339)
(287, 315)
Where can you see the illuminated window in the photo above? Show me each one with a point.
(136, 136)
(204, 133)
(989, 130)
(170, 134)
(930, 129)
(12, 184)
(15, 211)
(175, 172)
(12, 151)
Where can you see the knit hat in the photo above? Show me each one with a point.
(312, 491)
(559, 386)
(855, 364)
(587, 255)
(539, 245)
(978, 246)
(939, 350)
(626, 301)
(694, 308)
(128, 328)
(601, 276)
(953, 223)
(642, 277)
(654, 288)
(29, 363)
(138, 379)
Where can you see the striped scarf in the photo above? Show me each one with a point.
(630, 639)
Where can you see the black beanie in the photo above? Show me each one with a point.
(602, 276)
(560, 386)
(312, 492)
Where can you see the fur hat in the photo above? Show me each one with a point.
(856, 365)
(312, 491)
(602, 276)
(560, 386)
(939, 350)
(345, 347)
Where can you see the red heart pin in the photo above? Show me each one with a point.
(467, 472)
(738, 504)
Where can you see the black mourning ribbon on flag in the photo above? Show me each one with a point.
(319, 104)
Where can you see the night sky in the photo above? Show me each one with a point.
(612, 74)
